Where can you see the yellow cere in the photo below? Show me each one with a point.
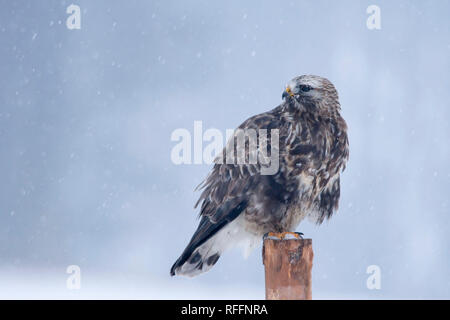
(288, 90)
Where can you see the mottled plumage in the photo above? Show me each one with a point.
(239, 203)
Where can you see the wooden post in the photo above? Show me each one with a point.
(288, 265)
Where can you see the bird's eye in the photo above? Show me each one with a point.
(305, 88)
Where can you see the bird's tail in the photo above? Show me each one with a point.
(200, 256)
(200, 260)
(209, 241)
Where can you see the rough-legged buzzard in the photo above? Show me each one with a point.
(239, 202)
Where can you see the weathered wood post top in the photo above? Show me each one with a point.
(288, 263)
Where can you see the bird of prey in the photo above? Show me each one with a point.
(239, 203)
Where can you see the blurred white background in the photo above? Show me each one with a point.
(86, 117)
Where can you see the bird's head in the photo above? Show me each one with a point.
(313, 93)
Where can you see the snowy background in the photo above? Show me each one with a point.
(86, 118)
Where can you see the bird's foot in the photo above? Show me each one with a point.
(291, 235)
(284, 235)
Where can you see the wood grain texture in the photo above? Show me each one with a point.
(288, 268)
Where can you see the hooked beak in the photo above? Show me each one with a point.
(287, 93)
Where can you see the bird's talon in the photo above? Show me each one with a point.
(283, 235)
(296, 235)
(273, 235)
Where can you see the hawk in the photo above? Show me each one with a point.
(240, 204)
